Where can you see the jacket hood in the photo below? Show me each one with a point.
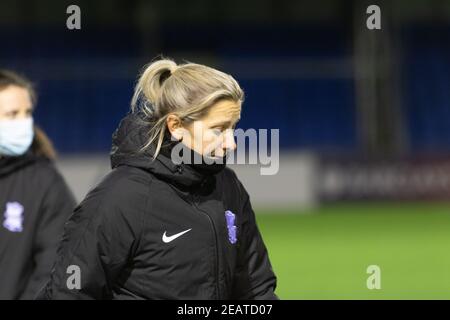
(127, 142)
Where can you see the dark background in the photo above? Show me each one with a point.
(309, 68)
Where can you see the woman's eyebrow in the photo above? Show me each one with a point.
(221, 123)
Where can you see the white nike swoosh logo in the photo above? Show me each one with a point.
(167, 239)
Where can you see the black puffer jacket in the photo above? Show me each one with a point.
(35, 202)
(156, 230)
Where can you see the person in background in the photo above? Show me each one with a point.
(35, 201)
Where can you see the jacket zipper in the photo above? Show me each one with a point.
(216, 269)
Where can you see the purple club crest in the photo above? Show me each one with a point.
(231, 218)
(13, 217)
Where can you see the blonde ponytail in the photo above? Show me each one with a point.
(148, 88)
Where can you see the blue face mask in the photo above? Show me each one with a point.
(16, 136)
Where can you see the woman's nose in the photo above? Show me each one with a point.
(228, 141)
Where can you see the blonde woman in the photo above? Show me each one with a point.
(156, 228)
(34, 198)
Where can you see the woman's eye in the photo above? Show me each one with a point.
(12, 114)
(217, 131)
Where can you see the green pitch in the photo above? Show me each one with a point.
(323, 253)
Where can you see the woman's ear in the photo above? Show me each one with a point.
(174, 126)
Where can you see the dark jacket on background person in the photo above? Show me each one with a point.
(157, 230)
(35, 202)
